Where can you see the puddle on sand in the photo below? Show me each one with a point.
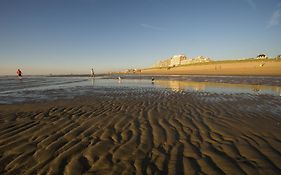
(54, 88)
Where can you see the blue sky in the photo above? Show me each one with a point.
(71, 36)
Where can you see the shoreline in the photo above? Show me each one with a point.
(39, 90)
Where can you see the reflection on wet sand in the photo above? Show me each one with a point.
(181, 85)
(219, 87)
(93, 81)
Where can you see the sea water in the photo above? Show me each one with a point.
(36, 88)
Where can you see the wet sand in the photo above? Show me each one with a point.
(157, 132)
(259, 67)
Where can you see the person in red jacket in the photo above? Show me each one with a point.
(19, 73)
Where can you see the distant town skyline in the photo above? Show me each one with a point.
(73, 36)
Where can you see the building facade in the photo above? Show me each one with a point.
(262, 56)
(178, 60)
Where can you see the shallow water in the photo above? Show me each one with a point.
(36, 88)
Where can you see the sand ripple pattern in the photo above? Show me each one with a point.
(136, 133)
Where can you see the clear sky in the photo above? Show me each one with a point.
(71, 36)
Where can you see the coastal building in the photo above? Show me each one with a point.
(132, 71)
(201, 59)
(262, 56)
(163, 63)
(178, 60)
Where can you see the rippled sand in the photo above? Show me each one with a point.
(156, 132)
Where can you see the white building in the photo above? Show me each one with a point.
(178, 60)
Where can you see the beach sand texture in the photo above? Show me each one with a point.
(259, 67)
(143, 133)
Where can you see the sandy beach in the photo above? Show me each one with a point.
(140, 87)
(258, 67)
(157, 132)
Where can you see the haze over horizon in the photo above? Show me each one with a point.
(72, 36)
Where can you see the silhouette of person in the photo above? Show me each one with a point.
(92, 72)
(19, 73)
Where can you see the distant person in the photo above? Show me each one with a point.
(152, 80)
(119, 79)
(92, 73)
(19, 73)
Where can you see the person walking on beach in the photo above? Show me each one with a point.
(92, 73)
(19, 73)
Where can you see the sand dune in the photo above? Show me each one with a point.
(143, 133)
(258, 67)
